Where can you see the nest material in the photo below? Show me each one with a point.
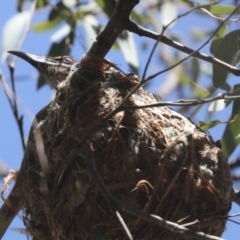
(153, 159)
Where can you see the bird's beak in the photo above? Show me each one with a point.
(34, 60)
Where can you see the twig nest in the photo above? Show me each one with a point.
(153, 159)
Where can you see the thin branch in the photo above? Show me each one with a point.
(192, 54)
(6, 90)
(13, 100)
(132, 27)
(164, 29)
(218, 18)
(14, 106)
(182, 102)
(141, 31)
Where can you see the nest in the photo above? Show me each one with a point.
(152, 159)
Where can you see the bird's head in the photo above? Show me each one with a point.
(54, 69)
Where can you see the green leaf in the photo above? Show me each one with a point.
(227, 51)
(107, 6)
(231, 138)
(56, 12)
(128, 47)
(40, 4)
(207, 125)
(218, 39)
(236, 102)
(217, 106)
(215, 9)
(232, 132)
(199, 91)
(101, 3)
(63, 12)
(20, 5)
(187, 3)
(138, 18)
(46, 25)
(221, 9)
(195, 69)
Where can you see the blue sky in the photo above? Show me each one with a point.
(33, 100)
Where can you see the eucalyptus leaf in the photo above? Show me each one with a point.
(40, 4)
(13, 30)
(230, 138)
(195, 69)
(20, 5)
(236, 102)
(227, 51)
(217, 106)
(107, 6)
(218, 39)
(128, 48)
(207, 125)
(46, 25)
(221, 9)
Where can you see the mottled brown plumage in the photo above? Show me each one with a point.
(54, 69)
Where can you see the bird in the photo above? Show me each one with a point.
(54, 69)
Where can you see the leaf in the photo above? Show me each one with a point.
(199, 91)
(231, 134)
(221, 9)
(70, 3)
(128, 48)
(236, 102)
(187, 3)
(83, 10)
(218, 39)
(138, 18)
(168, 13)
(63, 12)
(56, 12)
(215, 9)
(195, 69)
(20, 5)
(40, 4)
(46, 25)
(204, 126)
(217, 106)
(107, 6)
(227, 51)
(92, 28)
(231, 138)
(13, 31)
(60, 33)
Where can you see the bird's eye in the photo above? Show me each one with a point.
(67, 60)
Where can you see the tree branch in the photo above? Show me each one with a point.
(141, 31)
(115, 26)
